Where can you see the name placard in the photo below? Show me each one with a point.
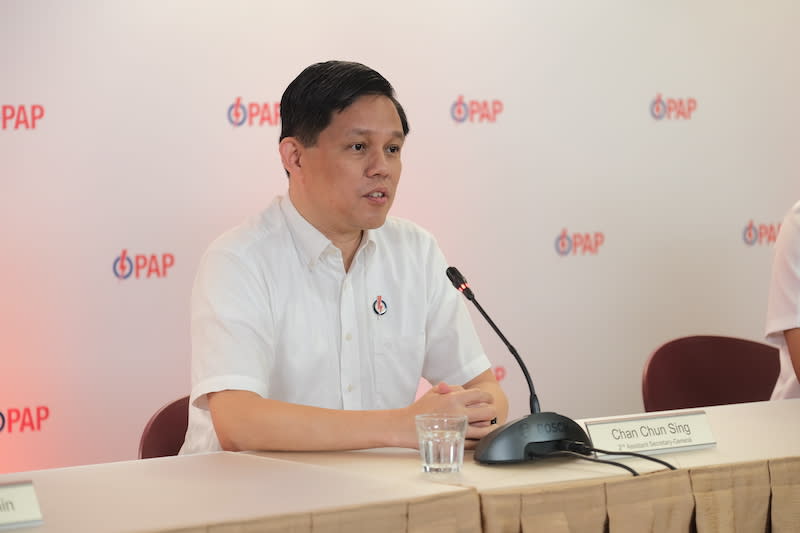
(652, 433)
(19, 506)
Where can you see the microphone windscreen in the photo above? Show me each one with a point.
(456, 278)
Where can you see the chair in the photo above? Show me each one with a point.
(704, 370)
(165, 431)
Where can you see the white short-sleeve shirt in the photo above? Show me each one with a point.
(783, 310)
(274, 312)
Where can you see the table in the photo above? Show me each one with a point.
(757, 457)
(750, 480)
(237, 493)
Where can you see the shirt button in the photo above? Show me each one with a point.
(350, 388)
(348, 337)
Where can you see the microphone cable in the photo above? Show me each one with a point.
(569, 453)
(581, 448)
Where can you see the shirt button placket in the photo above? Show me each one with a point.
(350, 365)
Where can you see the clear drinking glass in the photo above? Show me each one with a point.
(441, 441)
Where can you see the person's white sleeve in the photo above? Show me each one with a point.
(232, 328)
(783, 310)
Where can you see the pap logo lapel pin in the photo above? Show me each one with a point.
(379, 306)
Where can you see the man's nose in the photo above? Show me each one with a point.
(378, 165)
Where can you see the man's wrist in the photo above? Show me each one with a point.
(399, 431)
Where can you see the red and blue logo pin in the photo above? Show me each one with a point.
(379, 306)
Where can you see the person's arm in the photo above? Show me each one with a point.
(783, 316)
(245, 421)
(793, 344)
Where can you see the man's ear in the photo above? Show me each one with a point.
(291, 151)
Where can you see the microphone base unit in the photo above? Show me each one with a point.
(529, 439)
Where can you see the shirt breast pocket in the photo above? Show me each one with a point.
(398, 366)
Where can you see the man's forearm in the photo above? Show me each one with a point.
(245, 421)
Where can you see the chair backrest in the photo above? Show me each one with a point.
(165, 431)
(705, 370)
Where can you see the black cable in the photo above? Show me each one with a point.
(592, 459)
(581, 448)
(634, 454)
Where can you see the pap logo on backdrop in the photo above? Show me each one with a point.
(475, 110)
(15, 117)
(21, 419)
(142, 265)
(672, 108)
(254, 113)
(580, 242)
(760, 233)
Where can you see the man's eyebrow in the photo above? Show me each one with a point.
(363, 131)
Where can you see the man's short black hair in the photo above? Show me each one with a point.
(308, 103)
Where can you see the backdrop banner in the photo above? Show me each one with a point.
(608, 176)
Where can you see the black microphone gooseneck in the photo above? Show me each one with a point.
(460, 283)
(535, 436)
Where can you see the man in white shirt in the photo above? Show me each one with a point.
(783, 312)
(313, 322)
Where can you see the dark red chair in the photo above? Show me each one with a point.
(704, 370)
(165, 431)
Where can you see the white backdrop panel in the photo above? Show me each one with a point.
(135, 153)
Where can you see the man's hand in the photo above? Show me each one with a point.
(478, 405)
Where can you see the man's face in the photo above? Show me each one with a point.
(350, 176)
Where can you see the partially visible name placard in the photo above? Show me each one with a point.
(19, 506)
(652, 433)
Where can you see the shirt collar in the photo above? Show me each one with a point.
(311, 244)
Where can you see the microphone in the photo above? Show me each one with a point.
(534, 436)
(460, 283)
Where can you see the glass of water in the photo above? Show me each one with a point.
(441, 441)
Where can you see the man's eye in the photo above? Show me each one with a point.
(393, 149)
(357, 147)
